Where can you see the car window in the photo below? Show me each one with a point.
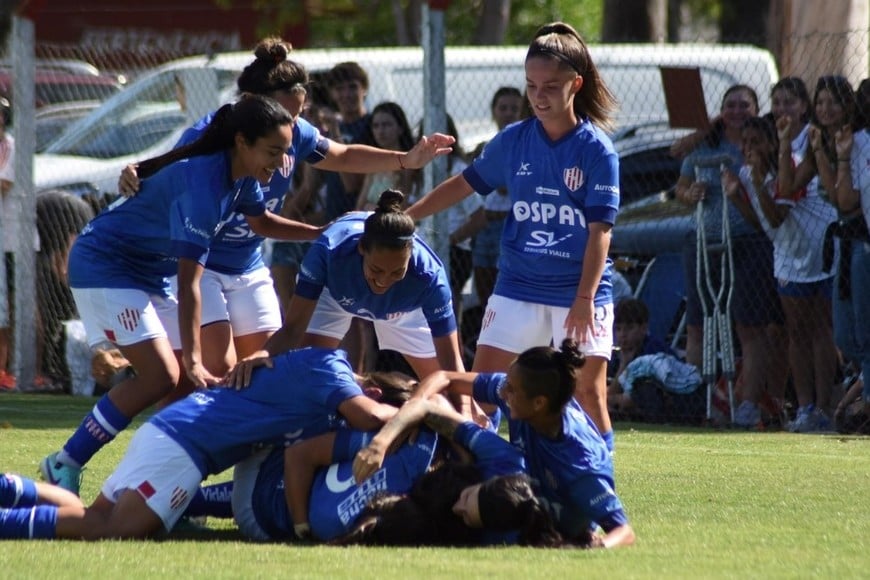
(646, 173)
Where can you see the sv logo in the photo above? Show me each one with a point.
(544, 239)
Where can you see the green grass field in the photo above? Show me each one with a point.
(705, 504)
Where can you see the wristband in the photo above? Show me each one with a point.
(582, 297)
(399, 159)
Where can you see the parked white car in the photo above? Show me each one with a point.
(146, 119)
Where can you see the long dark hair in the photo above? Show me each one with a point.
(550, 373)
(423, 517)
(271, 70)
(559, 40)
(797, 87)
(842, 92)
(767, 127)
(395, 110)
(389, 226)
(508, 503)
(254, 116)
(717, 131)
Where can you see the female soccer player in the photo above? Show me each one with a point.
(371, 266)
(565, 455)
(120, 264)
(240, 308)
(562, 175)
(203, 434)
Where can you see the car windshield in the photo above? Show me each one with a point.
(132, 123)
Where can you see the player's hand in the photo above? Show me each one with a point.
(239, 376)
(128, 183)
(579, 324)
(367, 461)
(815, 139)
(427, 149)
(199, 375)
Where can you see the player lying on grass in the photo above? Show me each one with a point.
(566, 457)
(301, 396)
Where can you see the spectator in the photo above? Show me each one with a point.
(488, 224)
(851, 196)
(8, 243)
(390, 131)
(562, 175)
(348, 86)
(460, 240)
(307, 201)
(755, 307)
(60, 216)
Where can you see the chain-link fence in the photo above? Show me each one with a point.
(90, 121)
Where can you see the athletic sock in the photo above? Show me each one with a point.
(33, 523)
(17, 491)
(212, 500)
(609, 441)
(99, 428)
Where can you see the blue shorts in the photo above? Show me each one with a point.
(289, 254)
(823, 288)
(755, 301)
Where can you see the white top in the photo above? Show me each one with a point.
(459, 213)
(798, 241)
(10, 209)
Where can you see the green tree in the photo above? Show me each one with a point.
(396, 22)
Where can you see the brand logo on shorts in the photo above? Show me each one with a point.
(129, 319)
(573, 178)
(179, 496)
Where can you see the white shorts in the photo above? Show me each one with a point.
(514, 326)
(407, 333)
(125, 316)
(248, 301)
(244, 479)
(160, 470)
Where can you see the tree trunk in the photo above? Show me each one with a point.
(635, 21)
(493, 23)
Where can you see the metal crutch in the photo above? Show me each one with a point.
(716, 323)
(726, 337)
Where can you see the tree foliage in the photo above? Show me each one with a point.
(396, 22)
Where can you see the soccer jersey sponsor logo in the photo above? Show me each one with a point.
(607, 187)
(540, 190)
(334, 483)
(192, 228)
(178, 498)
(351, 507)
(539, 212)
(395, 315)
(129, 319)
(524, 169)
(366, 313)
(573, 178)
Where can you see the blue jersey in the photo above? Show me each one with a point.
(236, 249)
(334, 262)
(557, 188)
(336, 500)
(297, 398)
(136, 242)
(572, 474)
(492, 454)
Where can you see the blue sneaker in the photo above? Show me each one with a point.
(803, 421)
(61, 475)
